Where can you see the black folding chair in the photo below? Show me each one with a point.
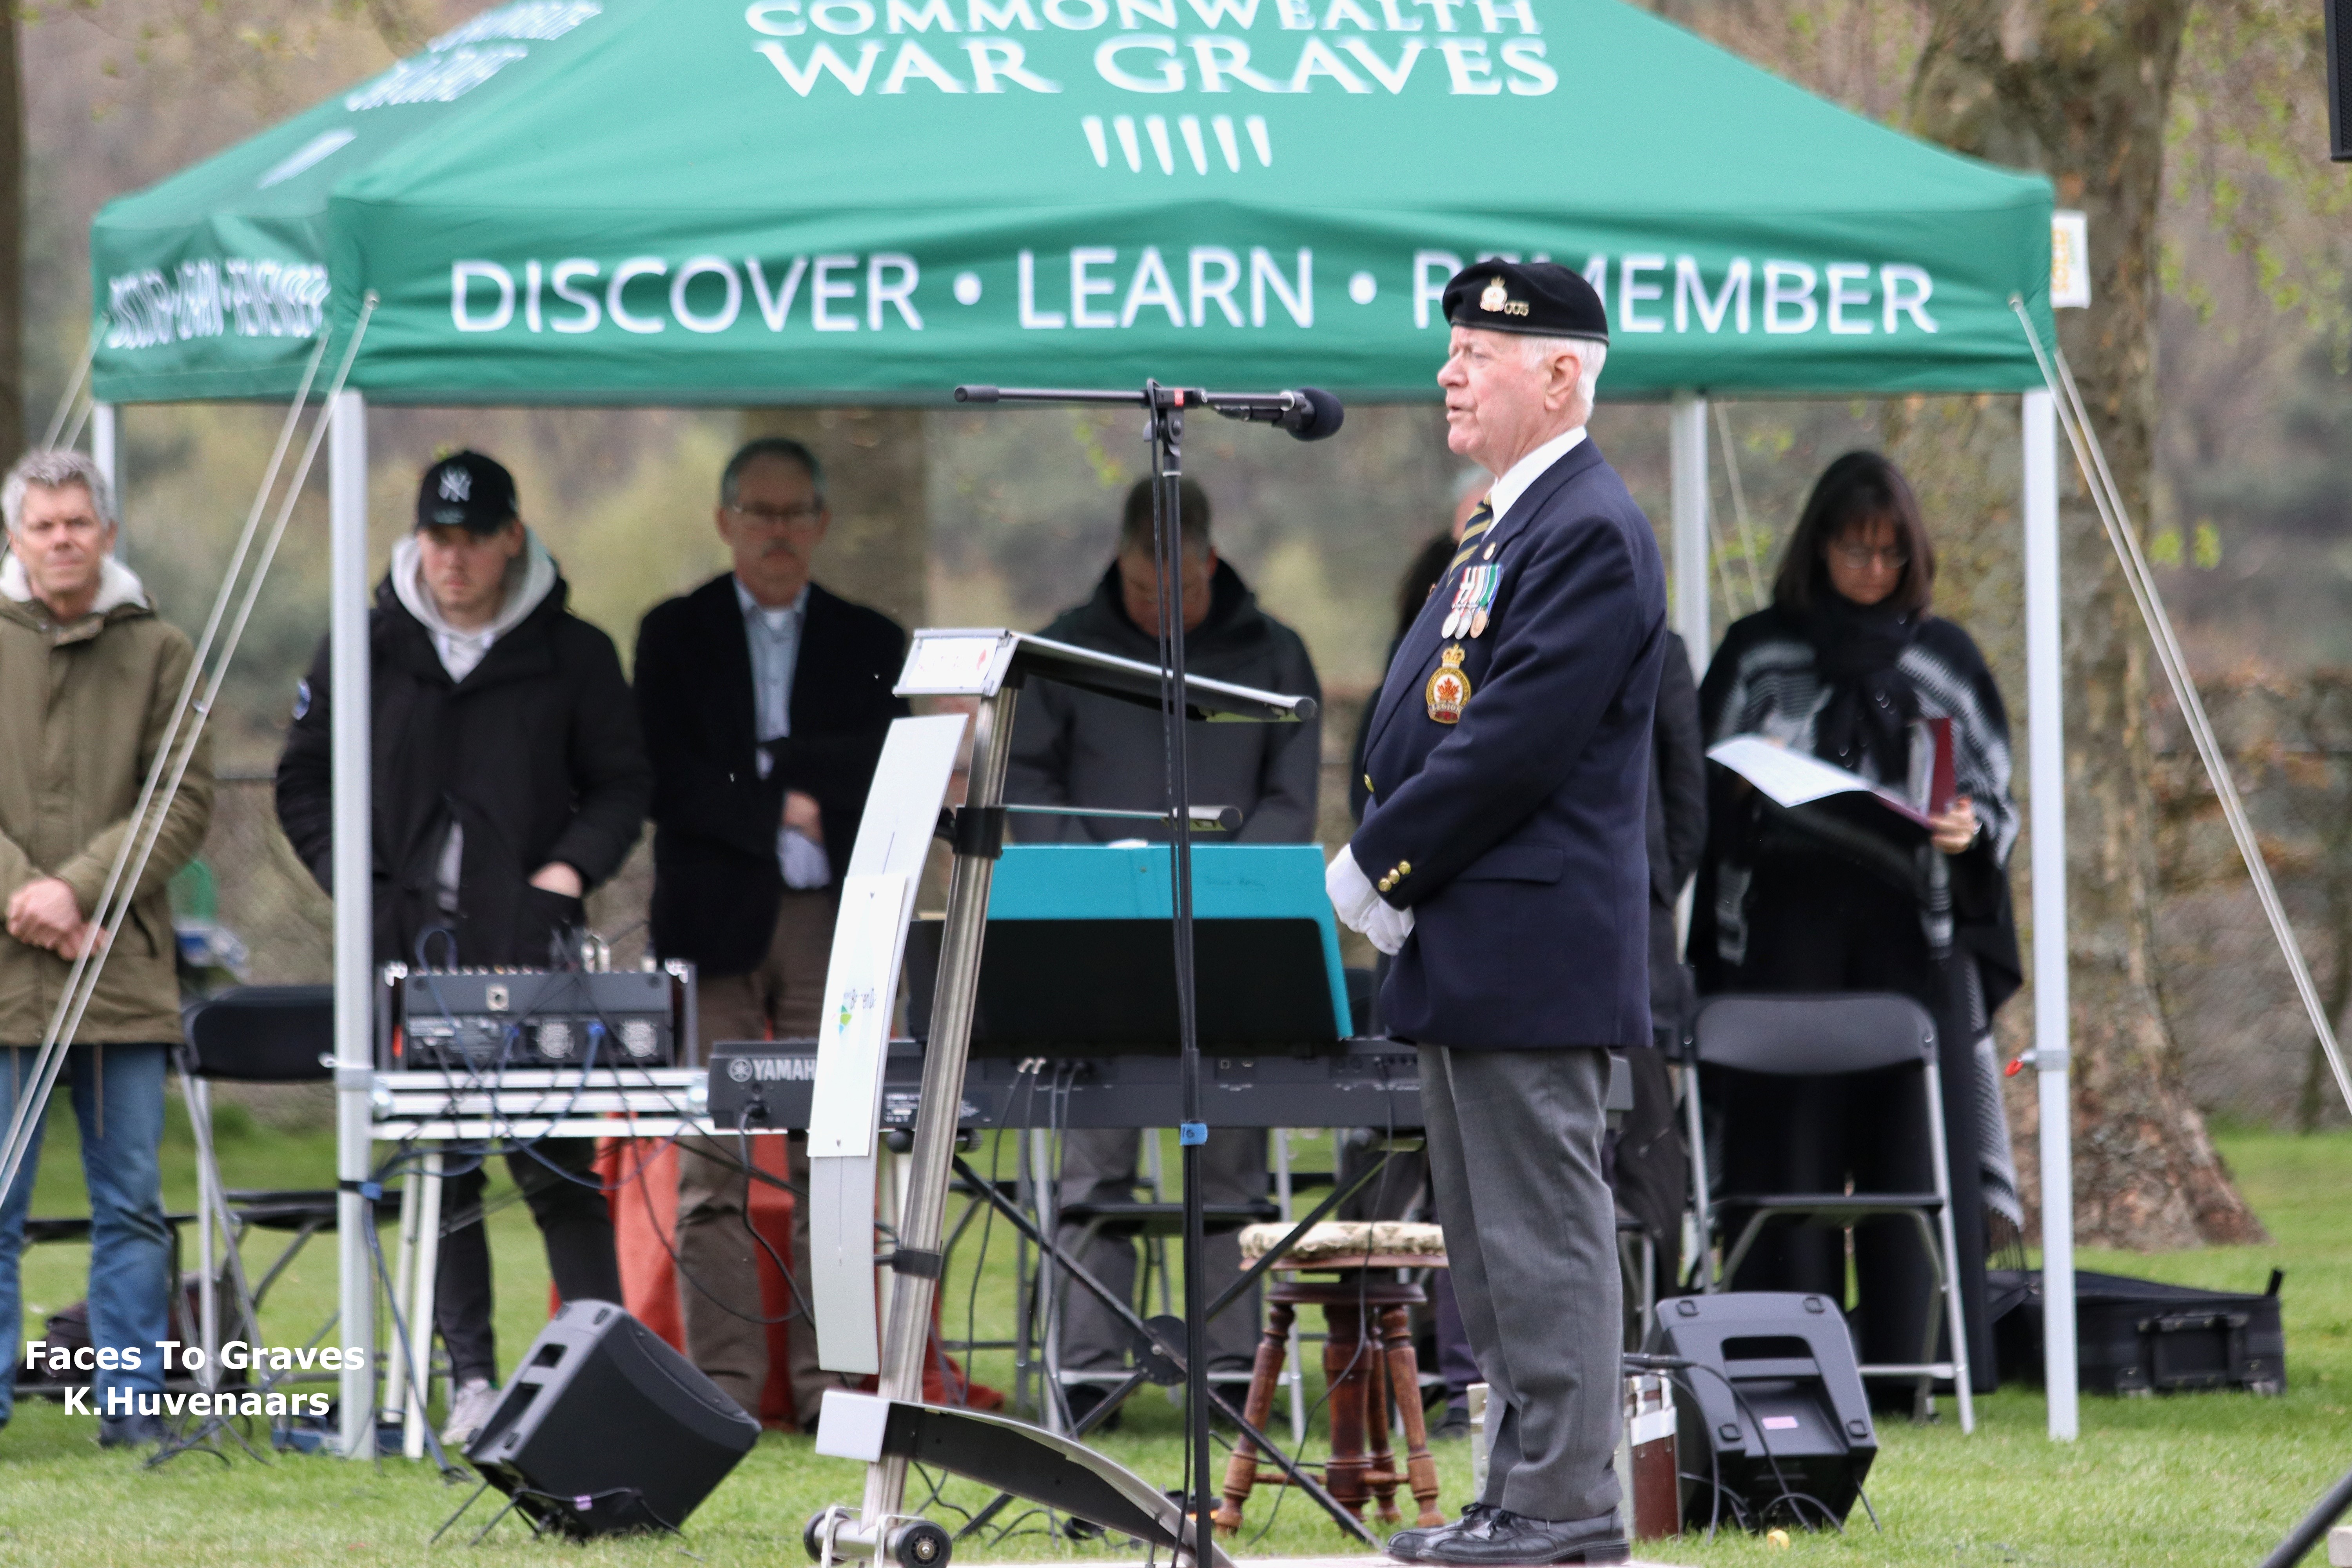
(1814, 1036)
(251, 1034)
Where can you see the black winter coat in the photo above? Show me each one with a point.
(1677, 831)
(716, 882)
(536, 753)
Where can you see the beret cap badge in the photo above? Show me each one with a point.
(1541, 298)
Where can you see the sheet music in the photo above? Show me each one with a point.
(1793, 778)
(955, 663)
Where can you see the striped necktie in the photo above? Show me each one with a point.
(1480, 521)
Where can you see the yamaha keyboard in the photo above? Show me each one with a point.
(763, 1086)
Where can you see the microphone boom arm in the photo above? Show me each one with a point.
(1310, 413)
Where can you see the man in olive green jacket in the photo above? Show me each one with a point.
(88, 679)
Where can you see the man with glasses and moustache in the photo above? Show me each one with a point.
(765, 700)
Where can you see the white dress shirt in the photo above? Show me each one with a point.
(1528, 469)
(775, 638)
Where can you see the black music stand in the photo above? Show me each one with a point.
(1101, 987)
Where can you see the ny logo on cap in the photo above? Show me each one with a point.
(457, 485)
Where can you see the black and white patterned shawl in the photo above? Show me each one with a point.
(1764, 680)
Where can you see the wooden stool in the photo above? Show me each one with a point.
(1367, 1359)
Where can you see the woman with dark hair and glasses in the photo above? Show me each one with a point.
(1849, 663)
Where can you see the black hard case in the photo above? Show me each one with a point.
(2142, 1336)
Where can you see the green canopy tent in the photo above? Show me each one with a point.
(634, 200)
(867, 201)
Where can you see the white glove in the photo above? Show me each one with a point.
(1360, 906)
(803, 859)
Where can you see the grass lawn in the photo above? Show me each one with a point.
(2200, 1480)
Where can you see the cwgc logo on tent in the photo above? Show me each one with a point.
(1158, 46)
(209, 298)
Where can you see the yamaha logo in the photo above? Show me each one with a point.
(760, 1069)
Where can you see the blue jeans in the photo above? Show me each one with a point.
(121, 1107)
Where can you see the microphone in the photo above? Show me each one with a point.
(1310, 414)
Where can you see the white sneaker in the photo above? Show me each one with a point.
(471, 1406)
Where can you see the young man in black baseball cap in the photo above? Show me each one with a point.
(509, 779)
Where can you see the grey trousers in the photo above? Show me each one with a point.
(1100, 1164)
(1531, 1238)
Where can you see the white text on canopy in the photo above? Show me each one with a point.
(1158, 46)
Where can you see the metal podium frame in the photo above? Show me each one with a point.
(883, 1429)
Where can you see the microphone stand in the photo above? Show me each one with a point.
(1164, 409)
(1167, 429)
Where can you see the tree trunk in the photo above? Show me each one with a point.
(2082, 92)
(11, 242)
(878, 552)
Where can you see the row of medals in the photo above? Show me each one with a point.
(1472, 596)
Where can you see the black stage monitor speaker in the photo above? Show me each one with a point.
(606, 1429)
(1770, 1408)
(2339, 79)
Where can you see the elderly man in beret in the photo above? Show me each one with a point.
(1502, 862)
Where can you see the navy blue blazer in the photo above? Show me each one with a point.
(1516, 835)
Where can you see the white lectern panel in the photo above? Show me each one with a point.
(852, 1034)
(869, 941)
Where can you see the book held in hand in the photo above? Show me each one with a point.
(1792, 778)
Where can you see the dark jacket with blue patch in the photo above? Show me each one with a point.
(1516, 835)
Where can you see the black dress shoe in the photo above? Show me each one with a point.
(1455, 1427)
(1508, 1540)
(1412, 1545)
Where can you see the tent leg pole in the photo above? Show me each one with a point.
(2046, 754)
(354, 911)
(106, 454)
(1688, 436)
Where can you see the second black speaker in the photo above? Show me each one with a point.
(606, 1429)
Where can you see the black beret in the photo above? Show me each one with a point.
(466, 491)
(1540, 298)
